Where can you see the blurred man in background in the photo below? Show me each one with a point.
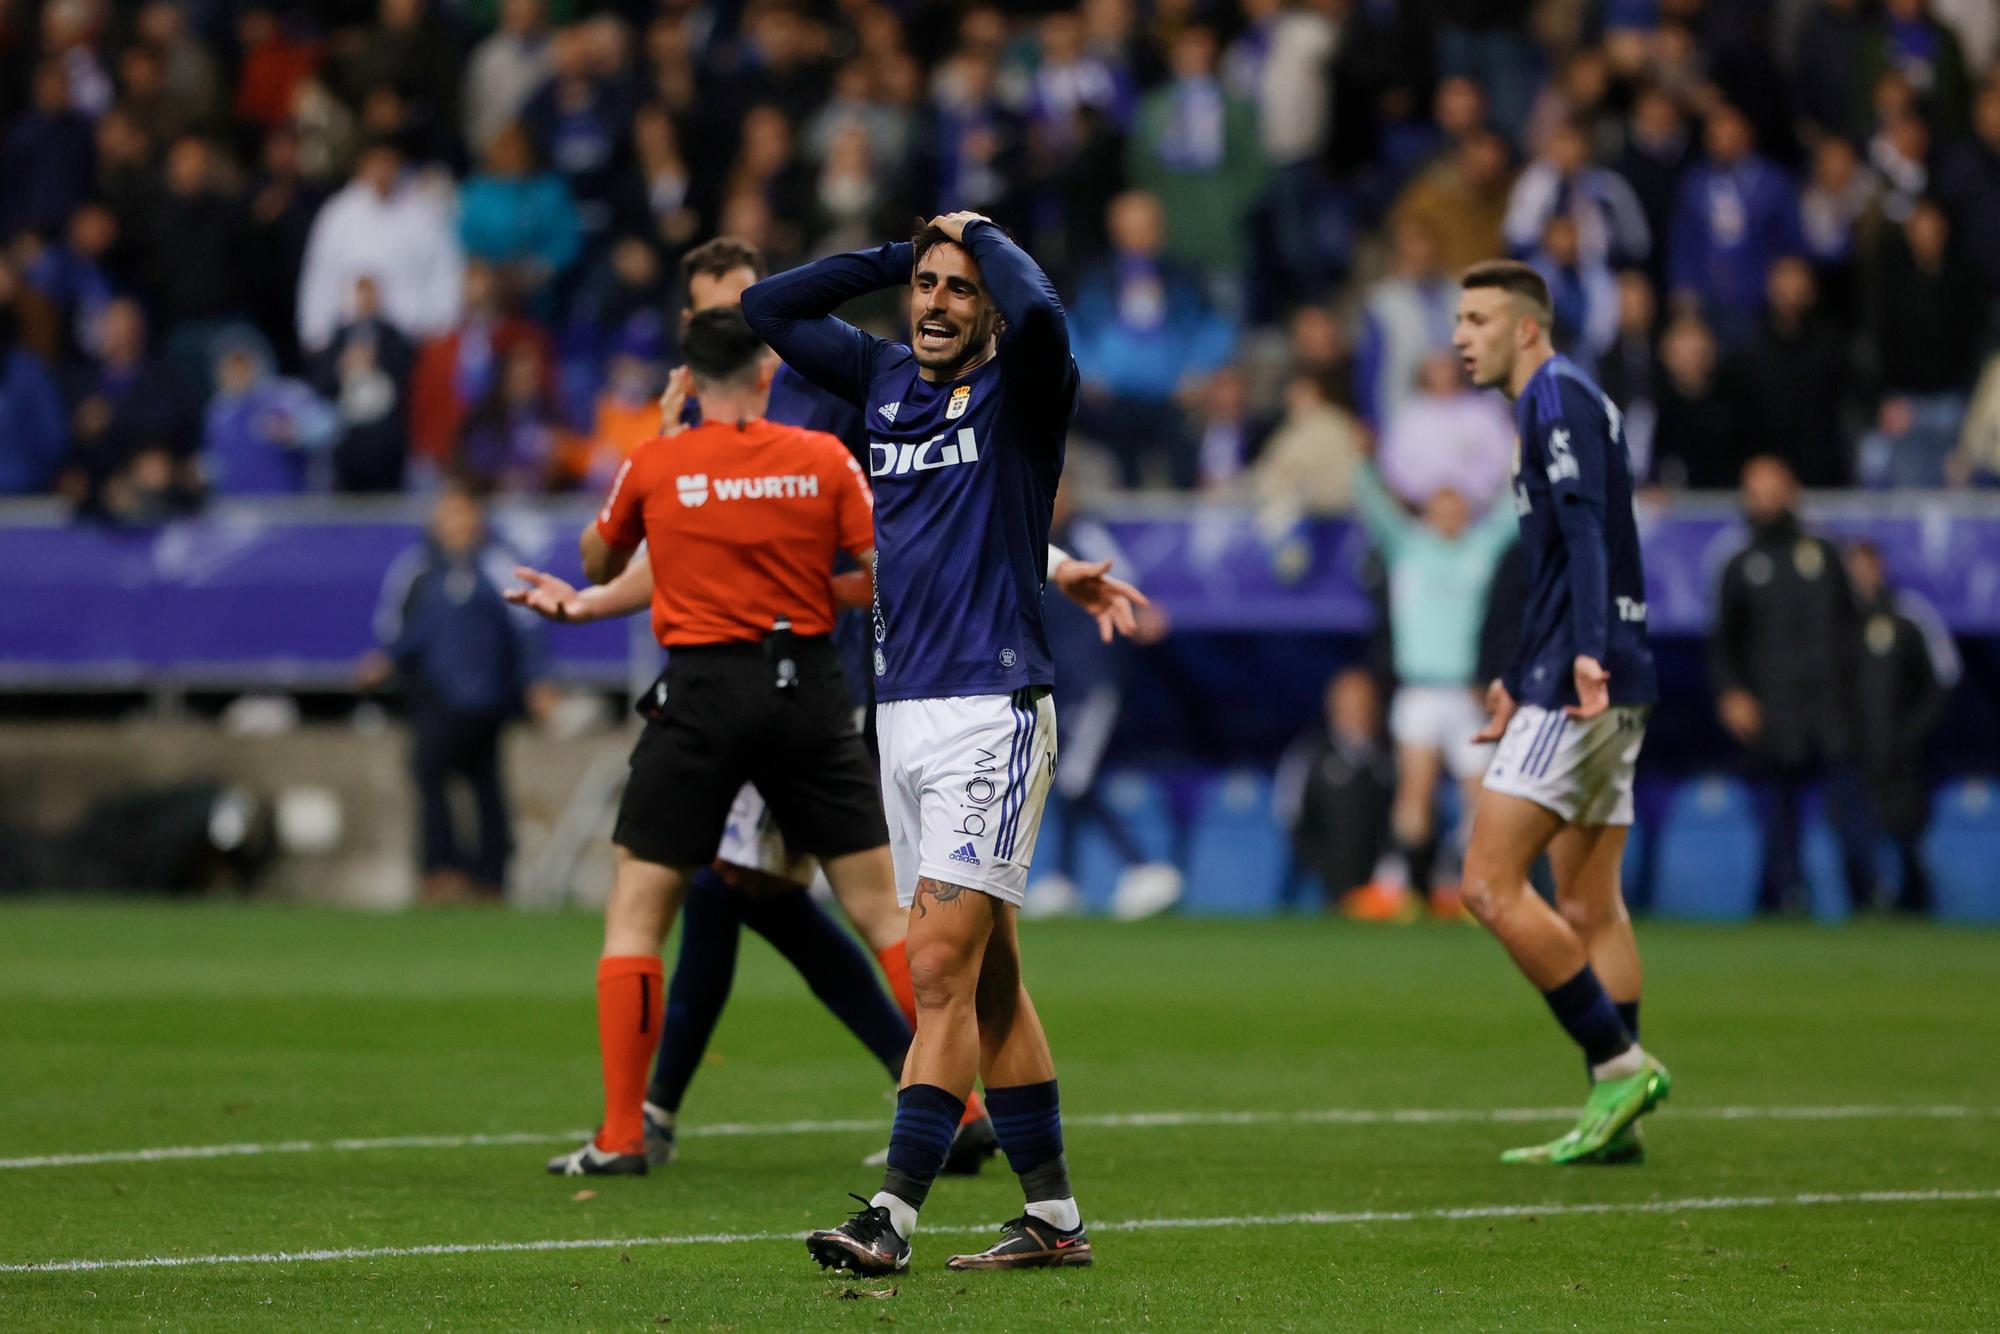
(1902, 686)
(1781, 659)
(468, 665)
(1334, 789)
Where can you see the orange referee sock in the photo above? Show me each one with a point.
(630, 1003)
(895, 961)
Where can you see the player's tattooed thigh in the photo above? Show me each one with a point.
(937, 889)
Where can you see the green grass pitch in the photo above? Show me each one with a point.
(1855, 1183)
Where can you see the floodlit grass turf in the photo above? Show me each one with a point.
(132, 1027)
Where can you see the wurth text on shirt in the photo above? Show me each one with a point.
(696, 488)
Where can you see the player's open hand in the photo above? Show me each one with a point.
(1114, 603)
(673, 401)
(954, 224)
(1593, 689)
(543, 594)
(1500, 708)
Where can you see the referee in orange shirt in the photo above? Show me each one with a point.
(741, 519)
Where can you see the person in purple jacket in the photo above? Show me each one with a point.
(1736, 215)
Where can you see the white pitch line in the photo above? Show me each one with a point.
(1346, 1116)
(1460, 1213)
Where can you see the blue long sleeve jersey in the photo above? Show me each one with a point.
(1579, 542)
(964, 472)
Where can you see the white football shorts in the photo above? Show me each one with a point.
(1581, 771)
(1442, 719)
(964, 782)
(752, 840)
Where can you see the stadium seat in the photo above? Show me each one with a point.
(1820, 862)
(1962, 851)
(1140, 800)
(1238, 855)
(1709, 853)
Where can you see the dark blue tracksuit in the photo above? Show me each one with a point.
(466, 660)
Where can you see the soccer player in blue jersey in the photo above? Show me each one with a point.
(1569, 713)
(966, 429)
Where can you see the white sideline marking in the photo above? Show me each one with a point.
(1345, 1116)
(1460, 1213)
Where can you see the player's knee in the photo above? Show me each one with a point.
(1587, 917)
(943, 972)
(1486, 887)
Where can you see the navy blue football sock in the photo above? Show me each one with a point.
(1628, 1015)
(711, 925)
(1027, 1118)
(1588, 1016)
(927, 1118)
(834, 966)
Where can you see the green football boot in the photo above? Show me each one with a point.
(1607, 1132)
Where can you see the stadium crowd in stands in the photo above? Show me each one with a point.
(250, 248)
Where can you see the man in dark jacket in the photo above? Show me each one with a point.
(1334, 789)
(1792, 373)
(1903, 678)
(1781, 658)
(468, 664)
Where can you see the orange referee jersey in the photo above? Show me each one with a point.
(741, 523)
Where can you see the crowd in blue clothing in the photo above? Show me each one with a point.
(255, 246)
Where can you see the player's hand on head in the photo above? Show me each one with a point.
(1112, 602)
(1500, 708)
(1593, 689)
(542, 593)
(954, 224)
(673, 400)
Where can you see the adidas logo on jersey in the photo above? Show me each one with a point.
(966, 855)
(889, 410)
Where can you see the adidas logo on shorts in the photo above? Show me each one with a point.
(966, 855)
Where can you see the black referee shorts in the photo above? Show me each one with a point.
(725, 723)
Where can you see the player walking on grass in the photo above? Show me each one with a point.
(1570, 713)
(966, 424)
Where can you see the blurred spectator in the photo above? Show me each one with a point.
(1968, 181)
(1781, 659)
(1900, 155)
(46, 158)
(1793, 376)
(1928, 318)
(276, 64)
(32, 438)
(365, 373)
(1699, 442)
(1318, 348)
(1463, 201)
(1977, 24)
(628, 410)
(72, 32)
(459, 369)
(1627, 372)
(281, 211)
(855, 106)
(1584, 292)
(1737, 214)
(406, 49)
(1907, 668)
(1828, 84)
(73, 276)
(1334, 788)
(769, 171)
(656, 198)
(1449, 437)
(514, 438)
(1657, 151)
(189, 75)
(850, 198)
(397, 231)
(1144, 334)
(1229, 436)
(1406, 318)
(194, 234)
(1070, 78)
(1611, 226)
(578, 120)
(125, 408)
(517, 218)
(1307, 467)
(1439, 567)
(263, 432)
(468, 665)
(505, 71)
(1487, 41)
(1839, 199)
(976, 140)
(1908, 40)
(1195, 148)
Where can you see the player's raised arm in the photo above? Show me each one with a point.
(793, 312)
(1037, 325)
